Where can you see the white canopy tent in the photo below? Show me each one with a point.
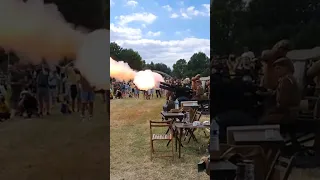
(203, 80)
(300, 58)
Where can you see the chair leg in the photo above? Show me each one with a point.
(192, 136)
(172, 151)
(167, 130)
(204, 131)
(186, 135)
(151, 150)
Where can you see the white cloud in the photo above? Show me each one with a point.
(143, 25)
(207, 7)
(167, 7)
(150, 33)
(185, 16)
(174, 15)
(118, 32)
(158, 51)
(144, 17)
(191, 11)
(132, 3)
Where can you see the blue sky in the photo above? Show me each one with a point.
(161, 30)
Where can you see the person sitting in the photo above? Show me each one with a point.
(65, 108)
(118, 94)
(4, 109)
(287, 94)
(284, 110)
(28, 103)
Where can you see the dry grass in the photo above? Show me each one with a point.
(130, 145)
(57, 147)
(64, 148)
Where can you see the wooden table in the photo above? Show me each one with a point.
(222, 170)
(174, 116)
(190, 104)
(178, 135)
(269, 145)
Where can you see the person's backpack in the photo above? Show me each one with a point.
(43, 80)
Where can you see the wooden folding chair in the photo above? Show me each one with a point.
(161, 137)
(281, 167)
(196, 117)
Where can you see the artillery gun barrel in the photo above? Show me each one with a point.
(167, 84)
(168, 88)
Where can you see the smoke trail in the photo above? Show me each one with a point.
(144, 80)
(34, 30)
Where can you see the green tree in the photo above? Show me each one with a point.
(131, 57)
(115, 51)
(180, 68)
(162, 67)
(198, 64)
(261, 23)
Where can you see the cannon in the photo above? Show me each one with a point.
(180, 93)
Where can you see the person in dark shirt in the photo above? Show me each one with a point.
(16, 77)
(43, 91)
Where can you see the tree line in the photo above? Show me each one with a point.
(259, 24)
(197, 64)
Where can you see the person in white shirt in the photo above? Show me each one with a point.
(248, 54)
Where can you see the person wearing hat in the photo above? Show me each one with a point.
(279, 50)
(194, 82)
(287, 94)
(199, 93)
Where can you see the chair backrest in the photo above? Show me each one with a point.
(157, 124)
(196, 117)
(280, 167)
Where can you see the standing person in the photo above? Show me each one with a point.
(123, 89)
(43, 91)
(132, 88)
(16, 78)
(137, 92)
(158, 92)
(199, 91)
(87, 97)
(152, 92)
(53, 85)
(72, 86)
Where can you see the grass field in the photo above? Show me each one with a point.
(56, 147)
(130, 145)
(62, 147)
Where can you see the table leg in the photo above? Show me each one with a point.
(176, 139)
(180, 144)
(191, 131)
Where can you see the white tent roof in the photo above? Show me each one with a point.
(205, 78)
(304, 54)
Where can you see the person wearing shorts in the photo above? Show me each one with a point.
(87, 97)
